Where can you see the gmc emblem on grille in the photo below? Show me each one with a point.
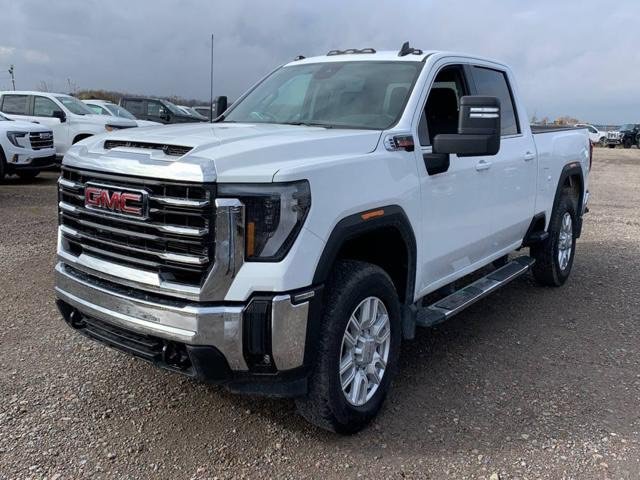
(45, 136)
(115, 200)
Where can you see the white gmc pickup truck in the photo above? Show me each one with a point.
(289, 247)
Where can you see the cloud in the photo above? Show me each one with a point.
(35, 56)
(576, 58)
(6, 52)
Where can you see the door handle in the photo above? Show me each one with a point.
(529, 156)
(483, 165)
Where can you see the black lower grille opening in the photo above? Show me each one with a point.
(165, 353)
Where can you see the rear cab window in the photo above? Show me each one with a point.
(15, 104)
(495, 83)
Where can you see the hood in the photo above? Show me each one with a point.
(224, 152)
(146, 123)
(23, 126)
(108, 120)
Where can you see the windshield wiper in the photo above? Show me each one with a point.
(309, 124)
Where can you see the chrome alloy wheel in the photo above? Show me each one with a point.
(365, 350)
(565, 241)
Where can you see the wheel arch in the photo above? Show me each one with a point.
(571, 176)
(366, 230)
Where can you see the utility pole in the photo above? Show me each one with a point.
(211, 85)
(13, 79)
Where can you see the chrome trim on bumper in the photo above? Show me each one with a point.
(190, 323)
(288, 332)
(219, 326)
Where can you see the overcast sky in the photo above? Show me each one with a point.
(579, 58)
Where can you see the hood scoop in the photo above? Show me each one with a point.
(171, 150)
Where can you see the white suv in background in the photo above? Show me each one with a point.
(104, 107)
(595, 135)
(68, 118)
(25, 148)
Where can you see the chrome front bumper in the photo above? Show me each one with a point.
(188, 323)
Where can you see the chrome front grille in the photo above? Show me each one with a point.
(175, 241)
(40, 140)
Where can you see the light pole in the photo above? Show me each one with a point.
(13, 80)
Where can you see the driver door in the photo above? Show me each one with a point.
(454, 201)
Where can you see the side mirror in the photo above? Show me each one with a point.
(221, 106)
(60, 115)
(478, 129)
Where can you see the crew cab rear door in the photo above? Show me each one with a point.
(512, 173)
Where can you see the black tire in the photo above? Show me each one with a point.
(3, 165)
(603, 141)
(28, 175)
(547, 270)
(627, 143)
(612, 145)
(325, 404)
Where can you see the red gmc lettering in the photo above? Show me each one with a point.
(116, 201)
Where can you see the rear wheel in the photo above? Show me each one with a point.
(358, 349)
(554, 256)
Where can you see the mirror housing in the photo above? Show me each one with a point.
(221, 105)
(478, 129)
(60, 115)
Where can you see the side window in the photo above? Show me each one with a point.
(15, 104)
(44, 107)
(134, 106)
(495, 84)
(593, 130)
(440, 114)
(155, 109)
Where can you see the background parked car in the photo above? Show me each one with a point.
(26, 148)
(156, 110)
(626, 136)
(104, 107)
(191, 111)
(68, 118)
(595, 135)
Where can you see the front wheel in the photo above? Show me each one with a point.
(612, 145)
(554, 256)
(603, 141)
(358, 349)
(626, 143)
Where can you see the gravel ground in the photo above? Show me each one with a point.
(530, 383)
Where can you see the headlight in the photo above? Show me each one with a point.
(274, 215)
(15, 136)
(110, 128)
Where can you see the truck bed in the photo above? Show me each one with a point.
(537, 129)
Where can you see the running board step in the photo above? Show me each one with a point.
(456, 302)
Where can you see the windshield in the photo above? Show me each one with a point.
(74, 105)
(174, 108)
(118, 111)
(626, 126)
(369, 95)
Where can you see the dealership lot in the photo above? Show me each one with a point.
(534, 383)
